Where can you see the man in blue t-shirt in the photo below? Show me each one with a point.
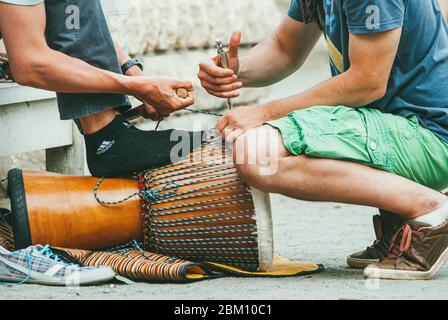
(374, 134)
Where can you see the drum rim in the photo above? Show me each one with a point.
(19, 209)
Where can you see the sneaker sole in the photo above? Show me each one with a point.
(92, 279)
(375, 272)
(360, 263)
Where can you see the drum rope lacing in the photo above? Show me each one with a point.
(210, 250)
(147, 195)
(126, 249)
(202, 243)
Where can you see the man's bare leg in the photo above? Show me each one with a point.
(314, 179)
(95, 122)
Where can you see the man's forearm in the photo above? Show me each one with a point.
(265, 64)
(279, 55)
(346, 89)
(55, 71)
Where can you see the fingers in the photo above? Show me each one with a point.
(231, 135)
(225, 95)
(229, 128)
(217, 81)
(217, 61)
(189, 101)
(234, 44)
(188, 85)
(220, 87)
(210, 67)
(149, 112)
(229, 88)
(222, 124)
(227, 131)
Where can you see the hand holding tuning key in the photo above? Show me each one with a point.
(222, 54)
(219, 75)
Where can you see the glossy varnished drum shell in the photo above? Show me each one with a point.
(62, 211)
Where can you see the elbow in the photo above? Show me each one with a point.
(367, 95)
(368, 89)
(376, 92)
(22, 78)
(28, 72)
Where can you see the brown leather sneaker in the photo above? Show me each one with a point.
(386, 225)
(418, 251)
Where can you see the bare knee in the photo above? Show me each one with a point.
(257, 154)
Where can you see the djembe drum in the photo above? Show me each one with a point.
(196, 209)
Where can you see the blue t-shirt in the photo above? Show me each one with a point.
(418, 83)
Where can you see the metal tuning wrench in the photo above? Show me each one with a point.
(222, 54)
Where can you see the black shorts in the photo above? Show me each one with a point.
(89, 41)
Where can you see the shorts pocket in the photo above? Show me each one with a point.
(378, 143)
(377, 151)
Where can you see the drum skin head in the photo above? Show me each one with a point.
(19, 210)
(264, 229)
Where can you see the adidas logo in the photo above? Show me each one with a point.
(104, 147)
(127, 125)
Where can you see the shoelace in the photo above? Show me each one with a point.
(46, 252)
(402, 241)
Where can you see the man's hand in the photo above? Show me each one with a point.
(220, 82)
(238, 121)
(147, 111)
(159, 93)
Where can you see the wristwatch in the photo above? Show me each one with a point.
(130, 63)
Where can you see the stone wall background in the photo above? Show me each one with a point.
(144, 26)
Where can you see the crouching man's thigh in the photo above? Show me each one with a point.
(366, 136)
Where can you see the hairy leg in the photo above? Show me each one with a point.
(314, 179)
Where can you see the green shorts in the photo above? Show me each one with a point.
(369, 137)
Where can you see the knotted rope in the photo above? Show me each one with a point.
(148, 196)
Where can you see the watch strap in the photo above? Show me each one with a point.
(131, 63)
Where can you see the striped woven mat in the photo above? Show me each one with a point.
(133, 263)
